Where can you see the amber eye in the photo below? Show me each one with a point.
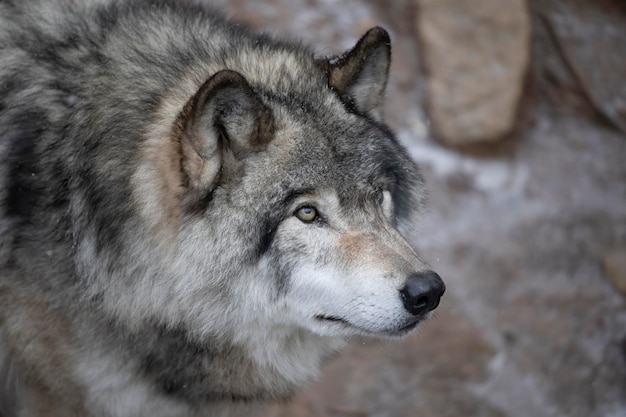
(307, 214)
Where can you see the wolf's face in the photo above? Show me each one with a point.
(301, 198)
(333, 246)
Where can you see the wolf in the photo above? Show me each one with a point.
(193, 215)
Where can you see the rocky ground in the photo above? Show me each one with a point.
(530, 235)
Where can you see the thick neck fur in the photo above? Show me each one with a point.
(218, 369)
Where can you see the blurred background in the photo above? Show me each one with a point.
(516, 112)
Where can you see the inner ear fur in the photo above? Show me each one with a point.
(223, 121)
(360, 75)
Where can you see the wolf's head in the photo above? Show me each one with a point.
(278, 194)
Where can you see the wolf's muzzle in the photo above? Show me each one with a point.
(422, 292)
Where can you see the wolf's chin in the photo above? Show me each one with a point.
(391, 333)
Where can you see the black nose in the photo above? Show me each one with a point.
(422, 292)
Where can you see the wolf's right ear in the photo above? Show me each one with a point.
(224, 120)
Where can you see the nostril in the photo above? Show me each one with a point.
(422, 292)
(422, 302)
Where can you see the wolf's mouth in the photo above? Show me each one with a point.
(408, 327)
(331, 318)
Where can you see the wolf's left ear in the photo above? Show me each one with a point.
(360, 75)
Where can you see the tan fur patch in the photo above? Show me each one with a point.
(158, 180)
(353, 245)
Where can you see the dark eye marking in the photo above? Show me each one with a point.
(275, 216)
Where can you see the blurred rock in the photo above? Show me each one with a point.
(579, 27)
(615, 269)
(476, 54)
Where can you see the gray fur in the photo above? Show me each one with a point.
(152, 157)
